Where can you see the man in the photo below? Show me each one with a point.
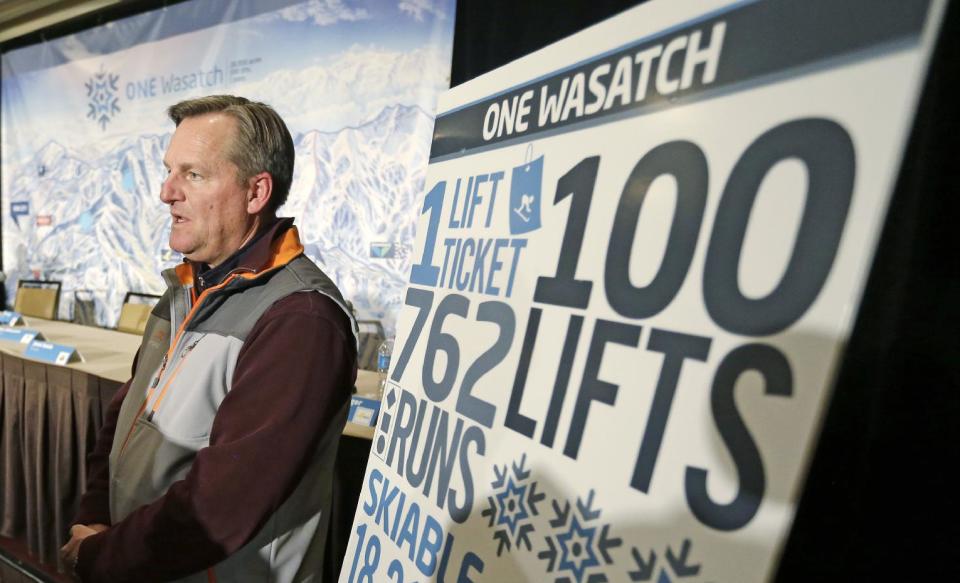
(215, 459)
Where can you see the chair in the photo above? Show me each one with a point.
(371, 335)
(136, 311)
(84, 308)
(38, 298)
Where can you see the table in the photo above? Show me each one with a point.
(50, 418)
(51, 415)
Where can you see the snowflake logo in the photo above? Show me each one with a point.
(102, 93)
(576, 547)
(510, 508)
(678, 564)
(580, 543)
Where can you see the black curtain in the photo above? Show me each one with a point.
(491, 33)
(879, 504)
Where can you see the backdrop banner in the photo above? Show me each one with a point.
(639, 257)
(84, 131)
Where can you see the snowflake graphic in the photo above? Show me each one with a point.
(679, 565)
(512, 505)
(576, 547)
(104, 103)
(512, 509)
(580, 543)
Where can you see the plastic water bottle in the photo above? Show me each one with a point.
(383, 363)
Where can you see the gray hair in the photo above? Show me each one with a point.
(262, 142)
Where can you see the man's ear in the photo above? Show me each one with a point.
(259, 192)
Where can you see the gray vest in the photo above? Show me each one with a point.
(151, 452)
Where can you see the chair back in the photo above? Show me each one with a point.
(371, 335)
(38, 298)
(136, 311)
(84, 308)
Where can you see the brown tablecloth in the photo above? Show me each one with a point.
(50, 418)
(51, 415)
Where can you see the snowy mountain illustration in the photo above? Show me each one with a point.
(360, 186)
(99, 225)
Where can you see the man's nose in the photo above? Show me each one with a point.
(169, 191)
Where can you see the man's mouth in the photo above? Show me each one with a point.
(177, 219)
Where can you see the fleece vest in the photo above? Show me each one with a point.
(184, 371)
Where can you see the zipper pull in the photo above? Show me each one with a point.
(187, 350)
(156, 379)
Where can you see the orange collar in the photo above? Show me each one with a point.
(269, 254)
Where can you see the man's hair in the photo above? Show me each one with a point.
(262, 142)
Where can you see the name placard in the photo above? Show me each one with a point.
(363, 411)
(53, 353)
(21, 335)
(10, 318)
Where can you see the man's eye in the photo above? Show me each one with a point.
(193, 176)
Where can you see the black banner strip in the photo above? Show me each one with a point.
(735, 46)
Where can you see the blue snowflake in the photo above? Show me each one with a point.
(512, 506)
(580, 543)
(677, 562)
(577, 549)
(104, 103)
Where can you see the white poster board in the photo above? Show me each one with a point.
(640, 254)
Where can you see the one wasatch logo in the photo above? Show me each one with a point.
(102, 95)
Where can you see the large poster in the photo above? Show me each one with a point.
(640, 253)
(84, 131)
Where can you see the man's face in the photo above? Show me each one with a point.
(208, 205)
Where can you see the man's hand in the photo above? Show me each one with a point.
(78, 532)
